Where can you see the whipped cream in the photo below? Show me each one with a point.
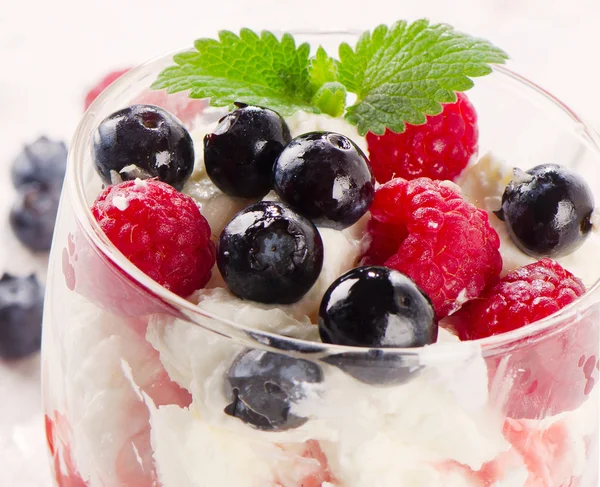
(191, 452)
(104, 409)
(398, 435)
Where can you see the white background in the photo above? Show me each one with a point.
(52, 51)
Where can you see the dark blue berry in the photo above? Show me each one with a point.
(43, 162)
(240, 153)
(326, 177)
(143, 141)
(21, 306)
(263, 386)
(269, 253)
(547, 210)
(33, 215)
(376, 307)
(377, 366)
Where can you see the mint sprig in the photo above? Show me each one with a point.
(402, 73)
(258, 70)
(399, 74)
(329, 94)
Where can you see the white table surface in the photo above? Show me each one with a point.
(51, 52)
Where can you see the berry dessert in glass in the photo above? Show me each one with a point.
(274, 267)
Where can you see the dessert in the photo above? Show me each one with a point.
(338, 327)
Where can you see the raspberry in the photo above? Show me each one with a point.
(91, 274)
(426, 230)
(438, 149)
(58, 436)
(308, 467)
(159, 230)
(179, 104)
(101, 85)
(525, 295)
(322, 475)
(554, 372)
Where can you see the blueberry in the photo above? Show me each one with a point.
(376, 367)
(263, 386)
(547, 210)
(326, 177)
(240, 153)
(143, 141)
(375, 306)
(33, 215)
(269, 253)
(43, 162)
(21, 305)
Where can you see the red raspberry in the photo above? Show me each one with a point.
(159, 230)
(59, 438)
(179, 104)
(438, 149)
(322, 475)
(90, 273)
(552, 372)
(312, 466)
(525, 295)
(426, 230)
(101, 85)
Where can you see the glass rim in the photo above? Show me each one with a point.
(282, 344)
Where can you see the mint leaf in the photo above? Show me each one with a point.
(354, 63)
(329, 95)
(322, 69)
(399, 74)
(258, 70)
(402, 73)
(331, 99)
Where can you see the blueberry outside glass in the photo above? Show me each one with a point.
(143, 388)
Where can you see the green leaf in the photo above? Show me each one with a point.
(322, 69)
(329, 95)
(331, 98)
(400, 74)
(258, 70)
(404, 72)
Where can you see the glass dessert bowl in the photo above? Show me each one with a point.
(143, 387)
